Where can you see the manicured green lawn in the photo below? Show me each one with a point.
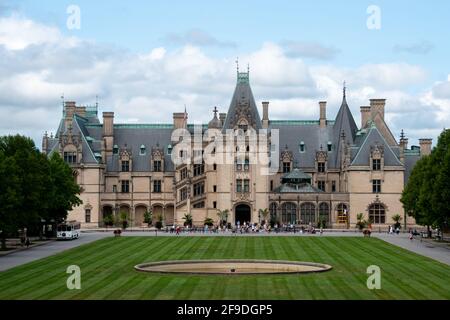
(107, 270)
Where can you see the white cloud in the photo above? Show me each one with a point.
(38, 64)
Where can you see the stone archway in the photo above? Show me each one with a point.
(139, 213)
(242, 213)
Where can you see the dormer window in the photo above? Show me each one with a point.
(142, 151)
(329, 146)
(157, 165)
(321, 167)
(302, 146)
(125, 166)
(376, 164)
(169, 149)
(286, 167)
(70, 157)
(116, 149)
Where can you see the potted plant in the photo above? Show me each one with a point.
(159, 222)
(208, 222)
(187, 220)
(148, 215)
(397, 218)
(360, 222)
(223, 216)
(264, 213)
(124, 219)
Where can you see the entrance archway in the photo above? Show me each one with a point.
(242, 214)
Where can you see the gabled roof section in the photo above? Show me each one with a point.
(242, 104)
(374, 137)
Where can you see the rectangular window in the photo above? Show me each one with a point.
(157, 186)
(199, 169)
(246, 185)
(215, 204)
(302, 147)
(376, 164)
(125, 186)
(183, 174)
(199, 205)
(183, 194)
(214, 188)
(246, 165)
(321, 185)
(239, 185)
(321, 167)
(157, 165)
(214, 167)
(286, 167)
(87, 215)
(271, 185)
(199, 189)
(114, 188)
(376, 186)
(329, 147)
(125, 165)
(333, 186)
(70, 157)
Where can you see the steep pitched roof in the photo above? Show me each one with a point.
(369, 139)
(344, 124)
(243, 104)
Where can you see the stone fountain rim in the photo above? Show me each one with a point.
(141, 267)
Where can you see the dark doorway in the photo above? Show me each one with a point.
(242, 214)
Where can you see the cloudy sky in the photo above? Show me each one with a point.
(147, 59)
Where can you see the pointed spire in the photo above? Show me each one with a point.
(237, 65)
(344, 89)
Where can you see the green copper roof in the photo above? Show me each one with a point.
(297, 122)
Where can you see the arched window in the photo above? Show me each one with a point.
(273, 211)
(142, 151)
(308, 213)
(288, 213)
(377, 213)
(324, 213)
(342, 213)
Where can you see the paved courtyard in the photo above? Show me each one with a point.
(429, 249)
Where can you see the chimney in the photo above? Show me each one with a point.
(425, 146)
(323, 114)
(365, 115)
(81, 111)
(265, 119)
(108, 124)
(108, 133)
(69, 110)
(178, 120)
(377, 106)
(222, 117)
(45, 143)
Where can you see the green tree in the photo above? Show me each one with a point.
(426, 194)
(64, 190)
(159, 221)
(124, 219)
(264, 213)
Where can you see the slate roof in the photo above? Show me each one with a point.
(296, 188)
(242, 95)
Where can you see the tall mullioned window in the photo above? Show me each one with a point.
(321, 185)
(321, 167)
(157, 186)
(87, 215)
(376, 164)
(125, 186)
(199, 189)
(239, 185)
(125, 165)
(157, 166)
(377, 213)
(199, 169)
(376, 186)
(286, 167)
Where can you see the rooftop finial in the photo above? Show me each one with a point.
(237, 64)
(248, 68)
(402, 135)
(96, 101)
(215, 111)
(344, 89)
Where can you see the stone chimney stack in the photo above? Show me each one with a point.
(377, 106)
(108, 133)
(179, 120)
(222, 117)
(69, 111)
(265, 119)
(323, 114)
(425, 146)
(365, 115)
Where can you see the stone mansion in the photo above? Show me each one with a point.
(328, 170)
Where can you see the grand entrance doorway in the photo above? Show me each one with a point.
(242, 214)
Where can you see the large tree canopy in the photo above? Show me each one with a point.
(32, 187)
(427, 193)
